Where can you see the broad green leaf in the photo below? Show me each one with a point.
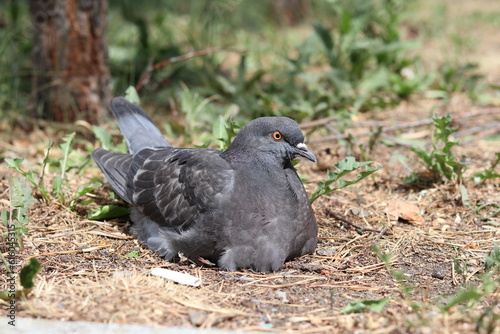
(15, 164)
(30, 176)
(82, 191)
(27, 276)
(20, 192)
(28, 273)
(324, 35)
(85, 189)
(486, 175)
(358, 306)
(132, 254)
(108, 212)
(103, 136)
(132, 96)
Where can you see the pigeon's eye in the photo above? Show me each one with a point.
(277, 135)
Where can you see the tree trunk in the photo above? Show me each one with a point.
(290, 12)
(71, 79)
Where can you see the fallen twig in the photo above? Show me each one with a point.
(150, 68)
(479, 129)
(285, 285)
(86, 250)
(390, 127)
(382, 232)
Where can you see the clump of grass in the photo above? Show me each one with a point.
(365, 62)
(404, 285)
(488, 173)
(440, 161)
(466, 298)
(457, 78)
(224, 131)
(60, 191)
(469, 296)
(16, 220)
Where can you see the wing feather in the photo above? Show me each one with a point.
(174, 186)
(115, 167)
(137, 128)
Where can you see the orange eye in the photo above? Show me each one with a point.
(277, 135)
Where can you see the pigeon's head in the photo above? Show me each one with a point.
(276, 138)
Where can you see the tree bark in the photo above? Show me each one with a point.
(290, 12)
(71, 78)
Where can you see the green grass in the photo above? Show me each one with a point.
(440, 160)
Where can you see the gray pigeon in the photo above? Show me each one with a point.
(242, 208)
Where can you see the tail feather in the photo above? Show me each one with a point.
(137, 128)
(115, 167)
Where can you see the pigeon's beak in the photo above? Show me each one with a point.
(302, 151)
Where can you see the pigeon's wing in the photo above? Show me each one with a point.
(174, 186)
(115, 167)
(137, 128)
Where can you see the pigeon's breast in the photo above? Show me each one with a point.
(269, 220)
(267, 198)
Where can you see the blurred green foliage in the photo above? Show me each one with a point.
(15, 53)
(344, 57)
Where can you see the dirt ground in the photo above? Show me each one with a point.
(86, 276)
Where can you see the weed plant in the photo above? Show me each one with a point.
(440, 161)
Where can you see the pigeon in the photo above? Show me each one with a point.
(241, 208)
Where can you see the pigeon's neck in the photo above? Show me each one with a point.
(235, 153)
(254, 157)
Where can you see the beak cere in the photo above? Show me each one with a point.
(303, 151)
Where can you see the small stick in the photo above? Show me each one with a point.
(150, 68)
(382, 232)
(388, 127)
(485, 111)
(482, 128)
(318, 122)
(86, 250)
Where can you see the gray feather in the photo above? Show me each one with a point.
(115, 167)
(137, 128)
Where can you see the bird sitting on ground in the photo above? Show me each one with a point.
(244, 207)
